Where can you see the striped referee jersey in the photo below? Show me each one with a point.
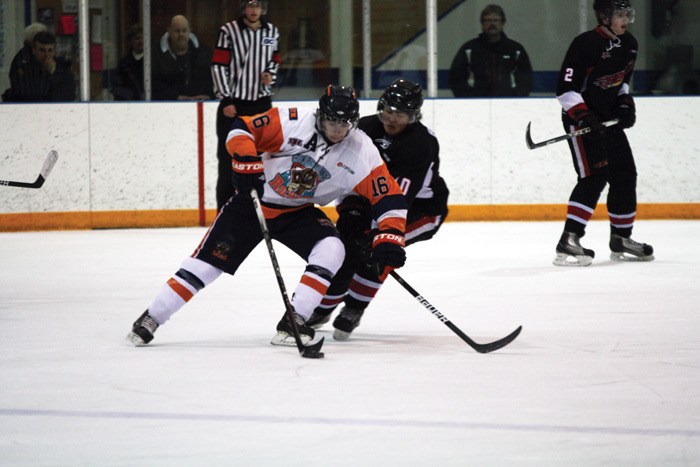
(241, 56)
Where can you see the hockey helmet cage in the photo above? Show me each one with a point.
(262, 3)
(404, 96)
(605, 9)
(339, 104)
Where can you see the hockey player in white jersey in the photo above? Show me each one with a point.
(294, 158)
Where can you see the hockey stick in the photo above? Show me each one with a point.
(308, 351)
(583, 131)
(45, 170)
(481, 348)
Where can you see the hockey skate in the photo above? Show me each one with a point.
(346, 322)
(142, 330)
(626, 249)
(319, 318)
(571, 253)
(285, 333)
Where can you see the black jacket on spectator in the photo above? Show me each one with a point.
(30, 82)
(175, 75)
(499, 69)
(128, 80)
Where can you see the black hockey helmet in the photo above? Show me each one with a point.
(262, 3)
(604, 9)
(404, 96)
(338, 104)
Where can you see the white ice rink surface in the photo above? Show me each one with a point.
(605, 372)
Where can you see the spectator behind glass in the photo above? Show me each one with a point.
(491, 64)
(41, 76)
(181, 65)
(244, 68)
(128, 81)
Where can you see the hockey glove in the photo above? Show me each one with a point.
(248, 174)
(354, 217)
(626, 112)
(388, 251)
(586, 118)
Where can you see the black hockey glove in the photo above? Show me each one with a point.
(626, 111)
(354, 217)
(388, 251)
(586, 118)
(248, 174)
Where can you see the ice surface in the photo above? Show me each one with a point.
(605, 372)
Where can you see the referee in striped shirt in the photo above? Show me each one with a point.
(244, 68)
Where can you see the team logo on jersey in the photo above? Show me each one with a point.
(269, 42)
(221, 250)
(610, 81)
(301, 180)
(614, 43)
(294, 142)
(293, 114)
(382, 142)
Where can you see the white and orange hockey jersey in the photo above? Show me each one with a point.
(293, 149)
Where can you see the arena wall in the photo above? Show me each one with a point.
(154, 164)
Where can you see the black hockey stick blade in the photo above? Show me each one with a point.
(481, 348)
(43, 175)
(306, 351)
(532, 145)
(491, 346)
(312, 350)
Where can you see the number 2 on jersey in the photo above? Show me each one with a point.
(569, 74)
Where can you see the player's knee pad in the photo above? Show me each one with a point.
(197, 272)
(328, 253)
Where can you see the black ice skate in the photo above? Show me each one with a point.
(346, 322)
(319, 318)
(571, 253)
(285, 334)
(626, 249)
(142, 330)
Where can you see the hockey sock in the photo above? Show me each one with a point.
(329, 303)
(310, 290)
(582, 202)
(621, 224)
(577, 217)
(324, 261)
(362, 291)
(192, 277)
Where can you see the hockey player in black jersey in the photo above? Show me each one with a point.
(411, 152)
(593, 87)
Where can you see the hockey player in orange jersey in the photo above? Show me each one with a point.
(295, 159)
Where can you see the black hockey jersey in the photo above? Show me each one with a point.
(597, 68)
(413, 159)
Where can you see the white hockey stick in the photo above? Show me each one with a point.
(45, 170)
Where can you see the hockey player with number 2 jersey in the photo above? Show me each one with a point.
(294, 158)
(594, 87)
